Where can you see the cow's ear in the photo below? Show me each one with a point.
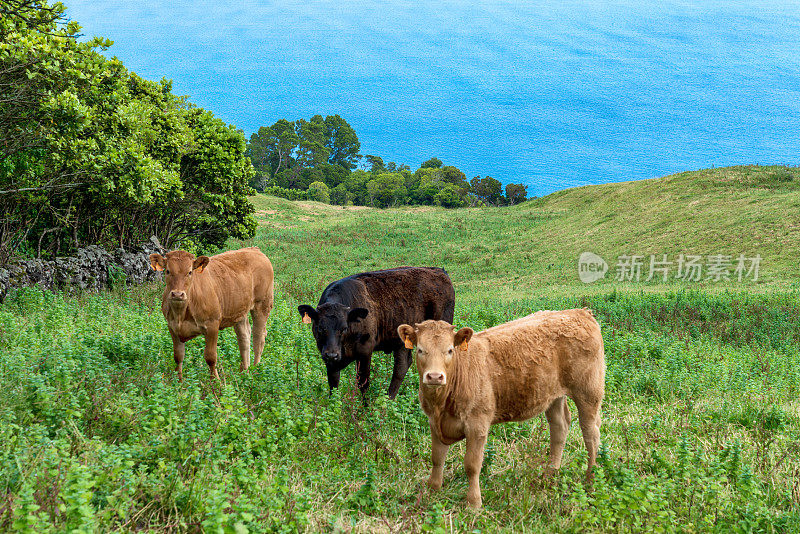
(462, 337)
(200, 264)
(408, 335)
(308, 313)
(356, 314)
(158, 262)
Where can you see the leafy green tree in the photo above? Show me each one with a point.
(311, 150)
(259, 182)
(487, 189)
(342, 142)
(260, 150)
(310, 154)
(216, 173)
(516, 193)
(453, 175)
(91, 153)
(424, 184)
(333, 175)
(433, 163)
(341, 196)
(375, 164)
(387, 189)
(357, 186)
(283, 142)
(449, 196)
(320, 192)
(43, 68)
(326, 151)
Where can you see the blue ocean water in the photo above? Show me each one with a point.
(552, 94)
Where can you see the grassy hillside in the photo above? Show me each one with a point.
(700, 429)
(530, 249)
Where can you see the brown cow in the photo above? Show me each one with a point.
(510, 372)
(204, 295)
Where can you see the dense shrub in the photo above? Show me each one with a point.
(93, 154)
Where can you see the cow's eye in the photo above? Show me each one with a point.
(166, 271)
(190, 273)
(450, 351)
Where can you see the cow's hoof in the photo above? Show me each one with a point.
(474, 502)
(550, 472)
(434, 485)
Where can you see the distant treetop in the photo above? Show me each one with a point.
(319, 160)
(433, 163)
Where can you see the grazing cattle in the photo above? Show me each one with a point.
(510, 372)
(204, 295)
(360, 314)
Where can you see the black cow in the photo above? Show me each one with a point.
(360, 314)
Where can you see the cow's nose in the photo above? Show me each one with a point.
(331, 356)
(180, 295)
(434, 379)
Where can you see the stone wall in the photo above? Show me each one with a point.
(92, 268)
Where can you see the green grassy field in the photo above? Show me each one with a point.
(700, 423)
(533, 248)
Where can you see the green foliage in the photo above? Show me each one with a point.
(341, 196)
(448, 197)
(96, 155)
(516, 193)
(342, 142)
(320, 192)
(289, 194)
(433, 163)
(387, 189)
(366, 498)
(487, 190)
(295, 155)
(376, 165)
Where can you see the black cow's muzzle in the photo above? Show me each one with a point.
(331, 356)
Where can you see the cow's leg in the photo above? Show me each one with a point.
(242, 329)
(473, 461)
(402, 361)
(210, 354)
(438, 453)
(589, 418)
(260, 315)
(178, 352)
(558, 418)
(363, 365)
(333, 378)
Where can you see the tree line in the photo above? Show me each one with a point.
(90, 153)
(319, 159)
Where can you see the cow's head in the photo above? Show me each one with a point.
(179, 267)
(437, 344)
(330, 323)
